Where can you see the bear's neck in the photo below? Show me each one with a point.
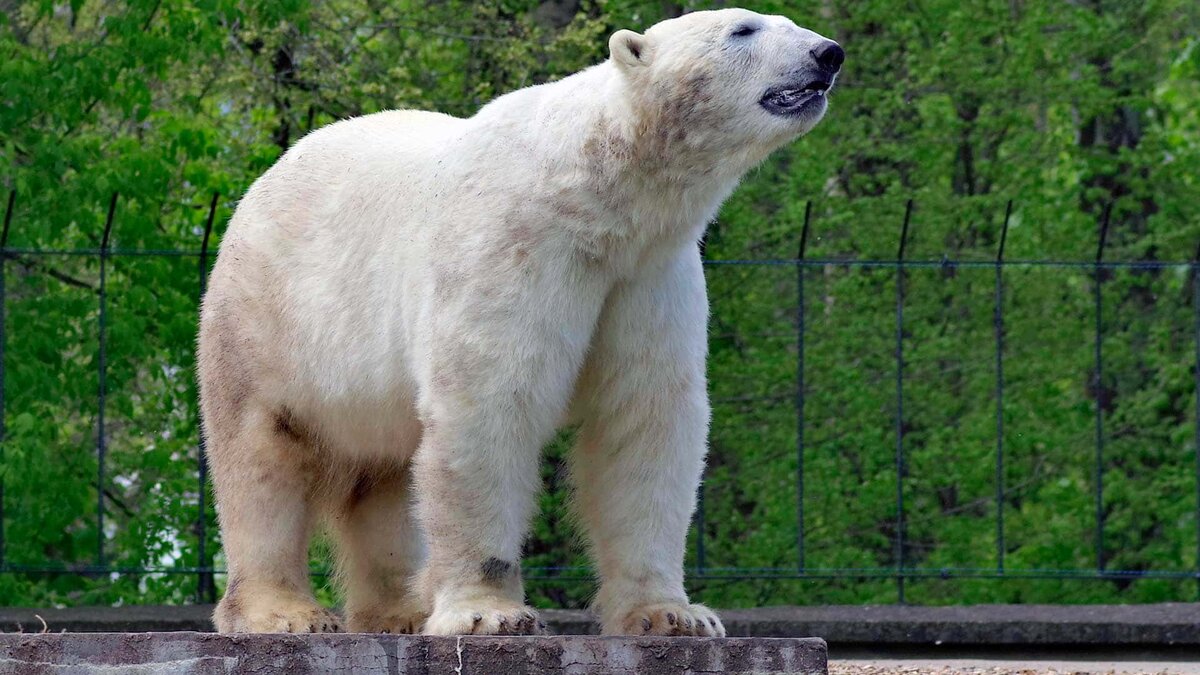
(664, 179)
(626, 179)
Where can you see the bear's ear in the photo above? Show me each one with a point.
(629, 49)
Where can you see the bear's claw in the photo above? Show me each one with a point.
(673, 619)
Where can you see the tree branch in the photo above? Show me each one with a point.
(32, 265)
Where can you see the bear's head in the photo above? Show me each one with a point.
(728, 81)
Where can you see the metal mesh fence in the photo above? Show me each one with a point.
(788, 414)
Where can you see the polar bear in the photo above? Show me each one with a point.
(408, 305)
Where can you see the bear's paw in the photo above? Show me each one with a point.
(290, 616)
(402, 621)
(672, 619)
(478, 618)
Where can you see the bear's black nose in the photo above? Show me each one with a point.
(830, 56)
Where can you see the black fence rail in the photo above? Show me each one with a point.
(901, 571)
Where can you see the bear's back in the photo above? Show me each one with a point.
(336, 174)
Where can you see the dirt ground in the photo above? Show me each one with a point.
(993, 667)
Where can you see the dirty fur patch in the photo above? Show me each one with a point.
(497, 571)
(286, 424)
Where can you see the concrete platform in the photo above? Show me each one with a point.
(203, 653)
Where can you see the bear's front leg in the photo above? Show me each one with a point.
(476, 493)
(644, 412)
(499, 371)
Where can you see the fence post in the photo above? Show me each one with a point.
(900, 523)
(206, 590)
(1099, 388)
(800, 562)
(8, 212)
(998, 325)
(699, 517)
(102, 361)
(1196, 375)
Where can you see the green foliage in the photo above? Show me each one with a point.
(1062, 107)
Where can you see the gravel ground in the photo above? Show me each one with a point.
(971, 667)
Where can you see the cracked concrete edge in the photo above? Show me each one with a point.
(1154, 625)
(190, 652)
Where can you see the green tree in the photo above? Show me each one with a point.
(1069, 109)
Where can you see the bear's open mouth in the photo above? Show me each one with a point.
(791, 99)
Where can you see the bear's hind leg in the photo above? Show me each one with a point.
(263, 475)
(379, 551)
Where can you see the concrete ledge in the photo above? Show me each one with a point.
(188, 652)
(1149, 626)
(1103, 626)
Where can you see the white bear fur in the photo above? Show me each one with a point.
(408, 305)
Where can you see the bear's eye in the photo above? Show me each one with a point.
(744, 31)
